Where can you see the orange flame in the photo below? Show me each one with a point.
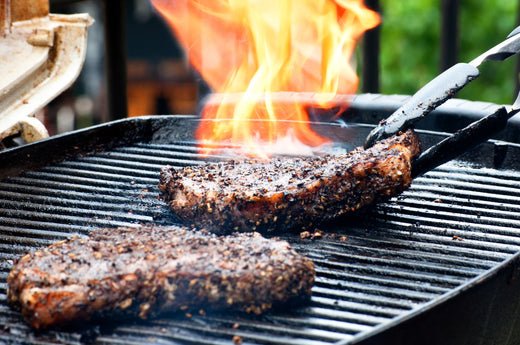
(252, 51)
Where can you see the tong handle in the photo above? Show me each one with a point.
(462, 140)
(430, 96)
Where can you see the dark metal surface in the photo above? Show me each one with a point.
(461, 141)
(449, 49)
(371, 47)
(405, 272)
(115, 57)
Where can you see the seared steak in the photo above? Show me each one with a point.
(141, 272)
(285, 193)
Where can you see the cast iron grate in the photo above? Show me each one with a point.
(454, 224)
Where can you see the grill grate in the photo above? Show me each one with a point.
(454, 224)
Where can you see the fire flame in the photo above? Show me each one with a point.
(255, 52)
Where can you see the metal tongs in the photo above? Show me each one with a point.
(438, 91)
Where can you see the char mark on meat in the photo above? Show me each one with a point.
(141, 272)
(288, 193)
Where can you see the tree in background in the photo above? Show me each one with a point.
(410, 46)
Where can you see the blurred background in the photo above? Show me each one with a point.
(415, 42)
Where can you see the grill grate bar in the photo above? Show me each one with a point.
(413, 231)
(122, 163)
(348, 316)
(17, 240)
(44, 199)
(34, 234)
(67, 195)
(52, 188)
(194, 332)
(189, 153)
(381, 281)
(22, 335)
(337, 252)
(51, 220)
(3, 287)
(482, 213)
(400, 267)
(485, 176)
(66, 214)
(475, 231)
(356, 307)
(70, 182)
(398, 284)
(136, 339)
(426, 248)
(91, 165)
(469, 196)
(325, 323)
(121, 159)
(469, 190)
(337, 269)
(366, 297)
(190, 149)
(12, 251)
(462, 204)
(65, 228)
(506, 227)
(112, 178)
(360, 320)
(397, 262)
(388, 292)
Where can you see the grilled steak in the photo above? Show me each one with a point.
(286, 193)
(141, 272)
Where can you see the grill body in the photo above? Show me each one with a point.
(438, 264)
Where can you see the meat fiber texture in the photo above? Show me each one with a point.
(141, 272)
(287, 193)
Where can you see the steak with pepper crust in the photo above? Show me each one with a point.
(141, 272)
(286, 193)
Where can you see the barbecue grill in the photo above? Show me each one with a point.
(438, 264)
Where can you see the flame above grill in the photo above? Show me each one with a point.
(257, 48)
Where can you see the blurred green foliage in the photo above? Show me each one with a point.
(410, 46)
